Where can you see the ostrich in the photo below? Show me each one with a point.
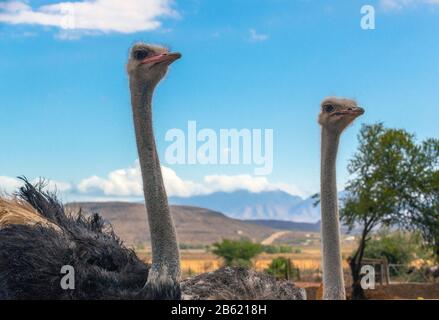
(147, 65)
(336, 114)
(38, 237)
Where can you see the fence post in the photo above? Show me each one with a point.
(382, 272)
(386, 270)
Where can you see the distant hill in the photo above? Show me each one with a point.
(245, 205)
(194, 225)
(288, 225)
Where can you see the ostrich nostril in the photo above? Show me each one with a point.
(350, 109)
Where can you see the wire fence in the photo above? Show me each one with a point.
(285, 268)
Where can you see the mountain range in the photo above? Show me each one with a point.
(222, 215)
(245, 205)
(194, 225)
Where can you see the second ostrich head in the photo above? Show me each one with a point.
(148, 64)
(337, 114)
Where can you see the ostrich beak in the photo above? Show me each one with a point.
(353, 111)
(165, 58)
(358, 111)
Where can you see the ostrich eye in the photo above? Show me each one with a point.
(140, 54)
(328, 108)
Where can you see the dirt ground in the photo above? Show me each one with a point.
(412, 291)
(405, 291)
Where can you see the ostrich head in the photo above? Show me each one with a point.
(148, 64)
(336, 114)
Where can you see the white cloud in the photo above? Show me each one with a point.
(394, 4)
(91, 15)
(9, 185)
(56, 186)
(254, 36)
(215, 183)
(122, 182)
(400, 4)
(176, 186)
(128, 183)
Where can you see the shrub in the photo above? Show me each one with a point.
(188, 246)
(237, 253)
(283, 268)
(271, 249)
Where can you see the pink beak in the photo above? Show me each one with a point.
(357, 111)
(166, 57)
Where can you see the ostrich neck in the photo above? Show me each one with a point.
(333, 283)
(165, 252)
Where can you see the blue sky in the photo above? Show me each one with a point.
(246, 64)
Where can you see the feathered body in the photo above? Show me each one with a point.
(33, 253)
(38, 237)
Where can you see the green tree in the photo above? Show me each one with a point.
(283, 268)
(396, 247)
(393, 182)
(237, 253)
(421, 201)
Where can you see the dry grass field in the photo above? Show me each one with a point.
(308, 261)
(199, 261)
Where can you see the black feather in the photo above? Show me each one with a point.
(31, 257)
